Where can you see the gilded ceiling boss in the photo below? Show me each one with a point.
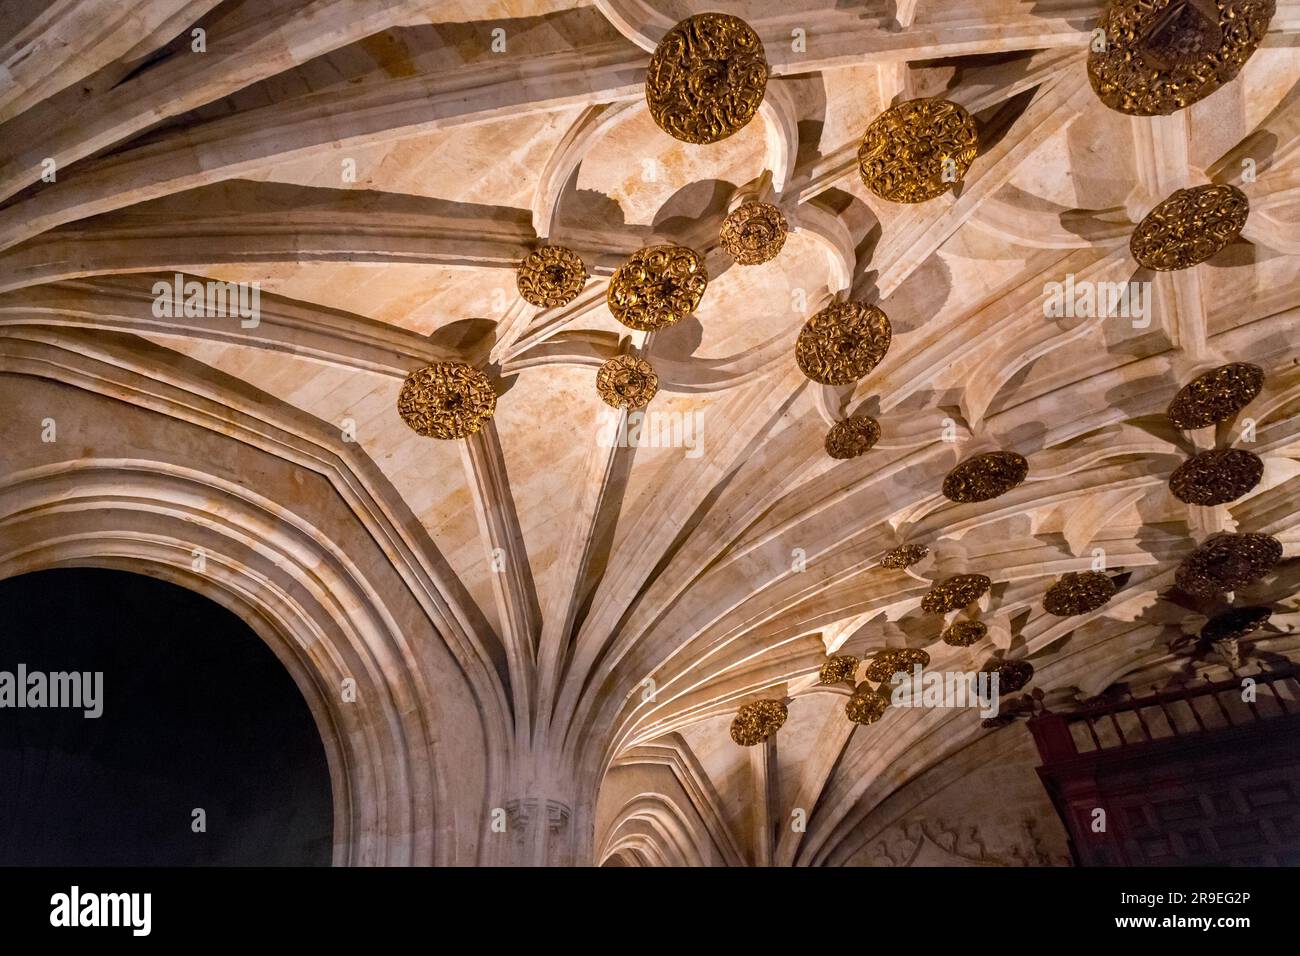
(1153, 58)
(706, 79)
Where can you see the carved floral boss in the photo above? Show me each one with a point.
(1189, 227)
(917, 150)
(707, 78)
(447, 400)
(1153, 57)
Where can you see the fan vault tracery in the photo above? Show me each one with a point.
(625, 600)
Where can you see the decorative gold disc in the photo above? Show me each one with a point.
(706, 78)
(1078, 593)
(1235, 623)
(1216, 477)
(1189, 227)
(754, 233)
(843, 342)
(657, 286)
(1225, 562)
(1012, 675)
(627, 382)
(447, 400)
(985, 476)
(866, 707)
(1215, 396)
(955, 593)
(1164, 55)
(852, 437)
(917, 150)
(758, 720)
(893, 660)
(551, 276)
(837, 670)
(904, 556)
(965, 633)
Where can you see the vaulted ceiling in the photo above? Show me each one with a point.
(380, 168)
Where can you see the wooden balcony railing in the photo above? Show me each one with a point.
(1192, 709)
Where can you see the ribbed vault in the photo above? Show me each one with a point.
(554, 625)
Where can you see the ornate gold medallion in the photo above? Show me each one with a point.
(917, 150)
(866, 706)
(627, 382)
(904, 556)
(894, 660)
(706, 78)
(447, 400)
(657, 286)
(1078, 593)
(837, 670)
(754, 233)
(1012, 675)
(1164, 55)
(1215, 396)
(985, 476)
(1225, 562)
(1235, 623)
(1189, 227)
(842, 342)
(852, 437)
(758, 720)
(965, 633)
(1216, 477)
(551, 276)
(955, 593)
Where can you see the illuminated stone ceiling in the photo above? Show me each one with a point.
(380, 169)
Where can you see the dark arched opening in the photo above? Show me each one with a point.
(197, 714)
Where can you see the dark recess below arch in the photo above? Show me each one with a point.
(198, 713)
